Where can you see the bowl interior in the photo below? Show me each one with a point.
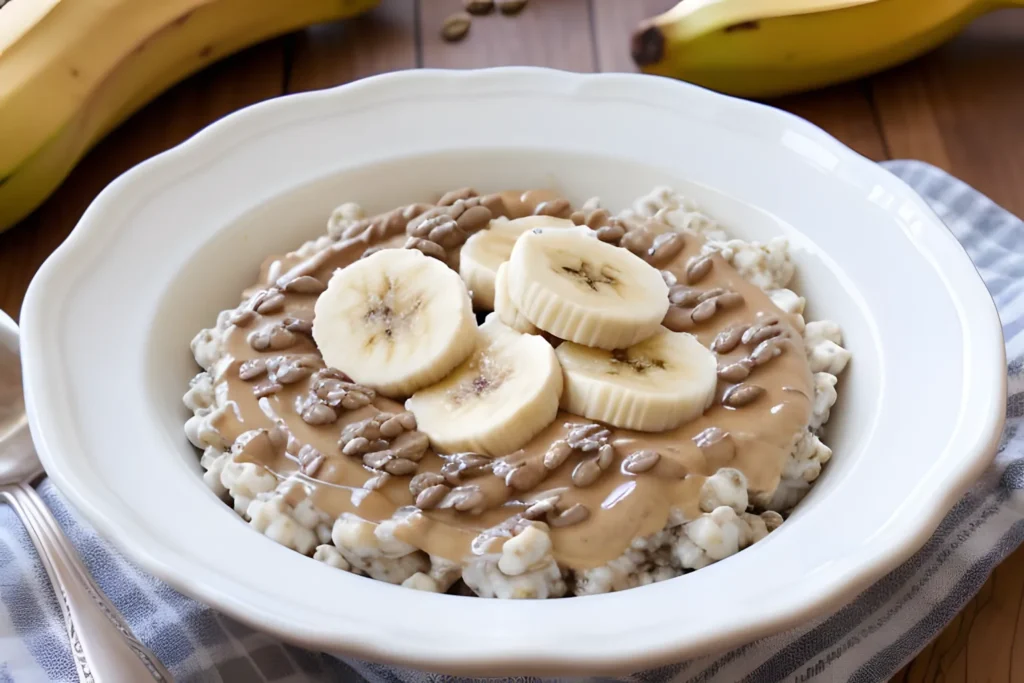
(213, 277)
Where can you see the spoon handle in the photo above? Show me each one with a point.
(103, 646)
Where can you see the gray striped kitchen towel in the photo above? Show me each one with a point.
(865, 641)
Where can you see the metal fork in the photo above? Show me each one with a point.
(103, 646)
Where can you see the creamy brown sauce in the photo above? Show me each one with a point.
(622, 505)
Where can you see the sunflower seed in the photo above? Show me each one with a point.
(587, 437)
(677, 319)
(375, 459)
(276, 338)
(478, 6)
(298, 325)
(557, 208)
(597, 219)
(304, 284)
(310, 460)
(540, 508)
(356, 446)
(377, 481)
(730, 300)
(762, 329)
(427, 247)
(280, 338)
(757, 336)
(411, 445)
(640, 461)
(557, 454)
(735, 372)
(370, 429)
(292, 372)
(463, 193)
(242, 317)
(456, 26)
(681, 295)
(391, 427)
(666, 247)
(610, 233)
(772, 519)
(510, 7)
(697, 268)
(741, 395)
(766, 350)
(415, 227)
(464, 499)
(423, 481)
(266, 389)
(574, 515)
(464, 466)
(278, 436)
(474, 219)
(260, 340)
(448, 235)
(424, 227)
(319, 414)
(273, 303)
(716, 444)
(353, 400)
(430, 497)
(525, 477)
(400, 467)
(728, 339)
(586, 473)
(356, 229)
(251, 369)
(704, 311)
(638, 241)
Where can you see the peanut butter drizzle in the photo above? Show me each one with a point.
(622, 505)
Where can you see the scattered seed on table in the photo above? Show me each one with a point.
(511, 6)
(478, 6)
(456, 26)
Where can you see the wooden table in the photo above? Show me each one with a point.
(961, 108)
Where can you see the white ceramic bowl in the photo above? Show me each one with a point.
(108, 319)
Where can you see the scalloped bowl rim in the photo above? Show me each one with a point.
(638, 648)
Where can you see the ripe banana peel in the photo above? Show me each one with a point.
(764, 48)
(72, 70)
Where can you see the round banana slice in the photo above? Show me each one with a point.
(569, 283)
(395, 321)
(658, 384)
(506, 310)
(497, 400)
(484, 251)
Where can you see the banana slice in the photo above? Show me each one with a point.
(496, 401)
(506, 310)
(658, 384)
(484, 251)
(569, 283)
(395, 321)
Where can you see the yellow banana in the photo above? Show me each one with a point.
(71, 70)
(763, 48)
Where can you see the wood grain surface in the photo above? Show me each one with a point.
(960, 108)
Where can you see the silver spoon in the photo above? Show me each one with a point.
(102, 644)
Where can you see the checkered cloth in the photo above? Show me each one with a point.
(865, 641)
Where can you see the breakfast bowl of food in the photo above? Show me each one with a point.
(514, 370)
